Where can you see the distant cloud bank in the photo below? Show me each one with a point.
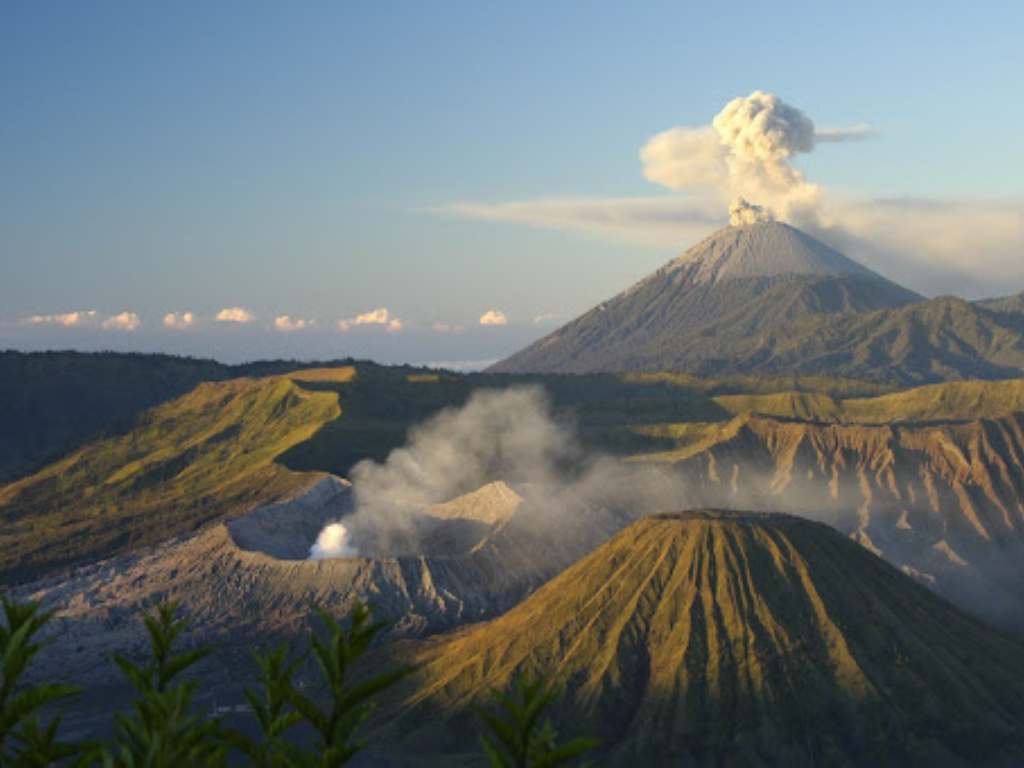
(90, 318)
(380, 316)
(65, 320)
(493, 317)
(289, 324)
(179, 321)
(235, 315)
(125, 321)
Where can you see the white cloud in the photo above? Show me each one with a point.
(651, 221)
(380, 316)
(179, 321)
(545, 317)
(66, 319)
(745, 152)
(287, 323)
(968, 247)
(858, 132)
(235, 315)
(493, 317)
(961, 247)
(125, 321)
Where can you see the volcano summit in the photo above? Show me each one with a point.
(762, 297)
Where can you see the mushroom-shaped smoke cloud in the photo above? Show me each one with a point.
(746, 151)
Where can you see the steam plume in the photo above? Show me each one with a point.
(332, 542)
(510, 435)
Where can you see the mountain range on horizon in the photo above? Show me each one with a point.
(766, 298)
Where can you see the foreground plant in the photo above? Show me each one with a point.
(273, 713)
(518, 735)
(24, 740)
(163, 729)
(351, 702)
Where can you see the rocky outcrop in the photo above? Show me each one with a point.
(941, 501)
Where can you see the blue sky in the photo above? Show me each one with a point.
(302, 159)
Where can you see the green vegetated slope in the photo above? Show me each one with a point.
(734, 639)
(229, 445)
(53, 402)
(947, 402)
(208, 454)
(950, 401)
(166, 472)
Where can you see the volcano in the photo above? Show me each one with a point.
(717, 638)
(767, 298)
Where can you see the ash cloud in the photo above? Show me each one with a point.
(747, 151)
(741, 212)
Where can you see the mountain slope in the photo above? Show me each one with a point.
(51, 402)
(770, 271)
(768, 299)
(208, 454)
(941, 501)
(735, 639)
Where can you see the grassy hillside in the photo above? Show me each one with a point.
(947, 402)
(208, 454)
(53, 402)
(724, 639)
(225, 446)
(942, 500)
(228, 445)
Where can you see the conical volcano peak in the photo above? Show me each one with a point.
(765, 248)
(710, 638)
(732, 303)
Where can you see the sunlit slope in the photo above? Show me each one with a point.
(949, 401)
(208, 454)
(52, 402)
(935, 403)
(722, 639)
(941, 500)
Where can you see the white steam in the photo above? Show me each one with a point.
(509, 435)
(332, 542)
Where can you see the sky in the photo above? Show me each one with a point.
(446, 182)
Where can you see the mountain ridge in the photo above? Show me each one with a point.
(766, 299)
(714, 637)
